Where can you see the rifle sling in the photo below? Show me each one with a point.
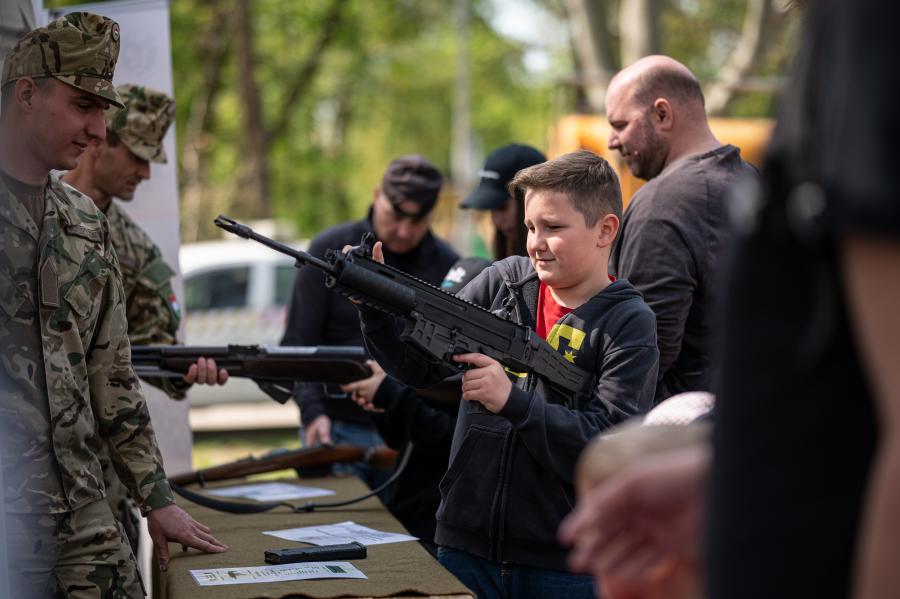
(233, 507)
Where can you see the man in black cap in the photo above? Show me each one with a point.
(400, 217)
(507, 212)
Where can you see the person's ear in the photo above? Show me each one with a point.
(662, 115)
(607, 229)
(25, 93)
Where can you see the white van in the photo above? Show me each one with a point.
(235, 292)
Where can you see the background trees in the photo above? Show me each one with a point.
(292, 109)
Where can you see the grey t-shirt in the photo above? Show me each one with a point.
(672, 234)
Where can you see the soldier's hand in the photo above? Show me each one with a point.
(171, 523)
(204, 373)
(363, 391)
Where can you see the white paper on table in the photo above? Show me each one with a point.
(271, 491)
(276, 573)
(336, 534)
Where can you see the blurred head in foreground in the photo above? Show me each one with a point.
(678, 576)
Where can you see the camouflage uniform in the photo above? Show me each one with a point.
(150, 303)
(71, 393)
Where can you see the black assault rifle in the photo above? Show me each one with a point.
(274, 369)
(437, 324)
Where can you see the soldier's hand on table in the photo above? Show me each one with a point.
(486, 382)
(363, 391)
(173, 524)
(204, 373)
(318, 432)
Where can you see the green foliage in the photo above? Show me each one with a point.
(703, 33)
(385, 88)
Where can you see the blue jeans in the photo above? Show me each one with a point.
(354, 434)
(490, 580)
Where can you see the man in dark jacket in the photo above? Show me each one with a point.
(510, 480)
(400, 217)
(676, 225)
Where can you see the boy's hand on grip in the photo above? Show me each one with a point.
(486, 382)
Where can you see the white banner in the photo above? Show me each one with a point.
(145, 59)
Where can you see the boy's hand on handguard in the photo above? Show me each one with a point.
(363, 391)
(377, 252)
(377, 256)
(486, 383)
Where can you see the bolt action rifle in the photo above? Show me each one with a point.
(312, 461)
(302, 460)
(437, 324)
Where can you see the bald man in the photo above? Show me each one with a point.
(676, 224)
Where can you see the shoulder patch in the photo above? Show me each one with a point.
(85, 232)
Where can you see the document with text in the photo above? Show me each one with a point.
(280, 573)
(271, 492)
(336, 534)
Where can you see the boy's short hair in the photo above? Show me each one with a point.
(588, 180)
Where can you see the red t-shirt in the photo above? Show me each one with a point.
(548, 311)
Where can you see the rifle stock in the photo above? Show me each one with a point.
(381, 457)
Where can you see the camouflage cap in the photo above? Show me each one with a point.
(143, 122)
(79, 48)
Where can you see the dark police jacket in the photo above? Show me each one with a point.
(510, 480)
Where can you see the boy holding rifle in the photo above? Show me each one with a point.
(510, 480)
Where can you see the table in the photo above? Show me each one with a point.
(393, 570)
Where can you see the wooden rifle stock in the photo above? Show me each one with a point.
(381, 457)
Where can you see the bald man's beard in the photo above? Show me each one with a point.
(646, 157)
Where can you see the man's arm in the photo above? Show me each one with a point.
(153, 317)
(123, 419)
(871, 269)
(655, 258)
(119, 405)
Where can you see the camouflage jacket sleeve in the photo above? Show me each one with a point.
(119, 404)
(153, 315)
(151, 308)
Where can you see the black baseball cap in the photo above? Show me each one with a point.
(412, 178)
(500, 167)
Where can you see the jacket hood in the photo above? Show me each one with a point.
(517, 271)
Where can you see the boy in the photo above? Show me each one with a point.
(511, 474)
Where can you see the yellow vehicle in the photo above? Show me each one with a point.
(587, 132)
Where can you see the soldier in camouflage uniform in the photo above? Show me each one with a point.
(113, 168)
(69, 390)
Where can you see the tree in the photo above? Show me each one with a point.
(728, 43)
(326, 93)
